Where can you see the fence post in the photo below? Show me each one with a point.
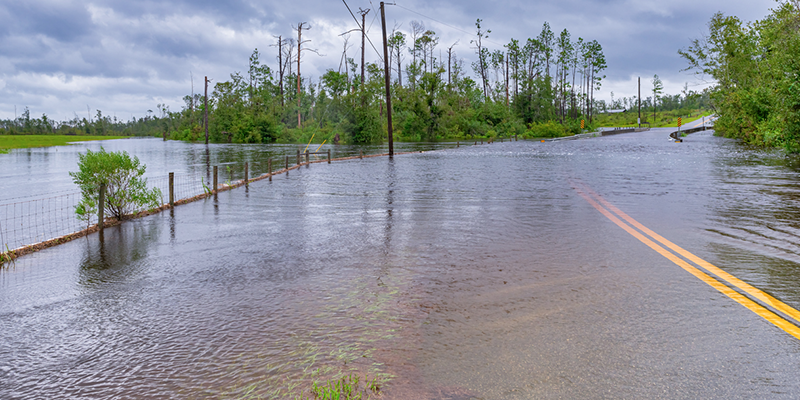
(287, 164)
(298, 156)
(246, 173)
(307, 157)
(101, 206)
(214, 188)
(458, 144)
(361, 152)
(329, 156)
(269, 169)
(171, 189)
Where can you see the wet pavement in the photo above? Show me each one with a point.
(477, 272)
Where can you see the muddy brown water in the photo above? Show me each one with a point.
(469, 273)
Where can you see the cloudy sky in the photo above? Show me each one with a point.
(123, 57)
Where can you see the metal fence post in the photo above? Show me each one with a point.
(214, 188)
(172, 189)
(101, 207)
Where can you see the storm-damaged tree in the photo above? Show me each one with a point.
(482, 65)
(658, 87)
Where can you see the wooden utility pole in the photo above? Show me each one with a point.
(299, 42)
(386, 76)
(363, 41)
(205, 110)
(640, 102)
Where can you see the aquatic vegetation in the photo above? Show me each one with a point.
(346, 387)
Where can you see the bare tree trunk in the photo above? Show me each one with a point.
(507, 80)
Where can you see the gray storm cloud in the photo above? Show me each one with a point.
(122, 57)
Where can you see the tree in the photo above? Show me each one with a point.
(396, 42)
(482, 65)
(126, 190)
(658, 87)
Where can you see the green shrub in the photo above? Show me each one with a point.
(548, 129)
(126, 190)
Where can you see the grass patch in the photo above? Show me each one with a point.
(665, 119)
(8, 142)
(346, 387)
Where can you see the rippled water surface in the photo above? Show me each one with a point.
(475, 272)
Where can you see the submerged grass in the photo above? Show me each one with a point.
(348, 387)
(8, 142)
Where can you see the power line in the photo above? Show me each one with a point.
(365, 32)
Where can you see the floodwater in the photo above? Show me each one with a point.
(469, 273)
(43, 172)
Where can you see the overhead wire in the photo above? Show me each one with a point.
(365, 33)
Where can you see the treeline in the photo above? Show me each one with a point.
(99, 125)
(756, 67)
(540, 86)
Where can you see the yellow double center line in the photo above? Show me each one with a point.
(596, 200)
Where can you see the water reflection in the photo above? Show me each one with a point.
(113, 256)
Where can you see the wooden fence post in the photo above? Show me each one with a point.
(214, 188)
(307, 158)
(298, 156)
(287, 164)
(101, 206)
(269, 169)
(361, 152)
(246, 173)
(329, 156)
(171, 189)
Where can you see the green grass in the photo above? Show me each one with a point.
(8, 142)
(345, 388)
(666, 119)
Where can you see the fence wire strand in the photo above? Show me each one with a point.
(29, 222)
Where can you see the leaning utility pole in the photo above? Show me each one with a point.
(640, 102)
(363, 37)
(205, 110)
(386, 76)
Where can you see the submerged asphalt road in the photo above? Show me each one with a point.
(505, 271)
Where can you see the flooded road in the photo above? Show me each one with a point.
(478, 272)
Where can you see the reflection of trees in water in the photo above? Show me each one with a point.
(114, 257)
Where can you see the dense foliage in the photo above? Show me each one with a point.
(756, 67)
(126, 189)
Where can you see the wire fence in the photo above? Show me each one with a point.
(29, 225)
(25, 223)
